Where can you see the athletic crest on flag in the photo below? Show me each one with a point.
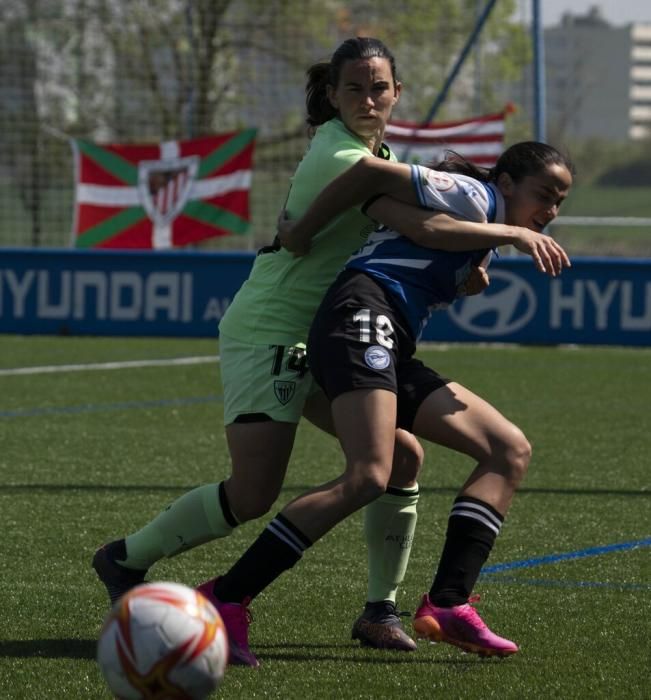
(480, 139)
(164, 186)
(162, 195)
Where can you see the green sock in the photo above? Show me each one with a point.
(389, 525)
(196, 517)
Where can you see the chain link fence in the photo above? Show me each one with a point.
(138, 71)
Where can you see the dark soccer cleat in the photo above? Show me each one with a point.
(379, 627)
(116, 578)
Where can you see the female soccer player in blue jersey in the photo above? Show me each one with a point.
(361, 348)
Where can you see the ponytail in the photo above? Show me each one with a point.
(456, 163)
(521, 159)
(319, 107)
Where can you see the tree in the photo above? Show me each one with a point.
(427, 38)
(152, 70)
(21, 142)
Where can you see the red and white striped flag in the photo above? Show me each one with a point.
(480, 140)
(162, 195)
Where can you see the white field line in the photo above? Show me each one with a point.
(50, 369)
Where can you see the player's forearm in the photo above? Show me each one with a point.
(447, 233)
(432, 229)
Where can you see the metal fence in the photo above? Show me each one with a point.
(134, 71)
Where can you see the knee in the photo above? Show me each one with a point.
(368, 486)
(251, 504)
(251, 510)
(517, 455)
(408, 458)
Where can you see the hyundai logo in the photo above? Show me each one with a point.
(506, 310)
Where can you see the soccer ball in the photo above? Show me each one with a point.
(163, 641)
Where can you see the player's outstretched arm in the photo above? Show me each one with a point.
(444, 232)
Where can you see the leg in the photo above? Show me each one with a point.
(392, 517)
(260, 420)
(408, 453)
(457, 418)
(261, 425)
(389, 525)
(390, 522)
(260, 454)
(366, 420)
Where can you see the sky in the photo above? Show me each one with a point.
(617, 12)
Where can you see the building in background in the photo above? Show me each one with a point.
(598, 80)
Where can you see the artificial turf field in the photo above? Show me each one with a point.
(89, 455)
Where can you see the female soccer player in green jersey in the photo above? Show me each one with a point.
(267, 384)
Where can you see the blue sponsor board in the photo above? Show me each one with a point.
(598, 301)
(605, 301)
(76, 292)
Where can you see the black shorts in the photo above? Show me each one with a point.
(358, 340)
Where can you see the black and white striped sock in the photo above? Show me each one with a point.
(279, 546)
(472, 528)
(473, 508)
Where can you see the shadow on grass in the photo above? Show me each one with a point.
(300, 488)
(49, 648)
(300, 652)
(343, 653)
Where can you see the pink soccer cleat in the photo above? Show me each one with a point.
(237, 618)
(460, 625)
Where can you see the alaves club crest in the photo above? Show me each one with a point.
(164, 185)
(284, 390)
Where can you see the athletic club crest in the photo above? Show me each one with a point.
(164, 185)
(284, 391)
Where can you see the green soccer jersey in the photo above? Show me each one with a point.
(277, 302)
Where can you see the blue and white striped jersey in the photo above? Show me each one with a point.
(419, 279)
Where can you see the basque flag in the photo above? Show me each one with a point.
(162, 195)
(480, 139)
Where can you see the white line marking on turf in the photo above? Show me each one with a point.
(49, 369)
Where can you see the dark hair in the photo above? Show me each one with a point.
(319, 109)
(521, 159)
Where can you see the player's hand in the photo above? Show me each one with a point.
(477, 281)
(289, 239)
(548, 255)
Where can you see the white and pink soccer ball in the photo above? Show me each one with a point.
(163, 641)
